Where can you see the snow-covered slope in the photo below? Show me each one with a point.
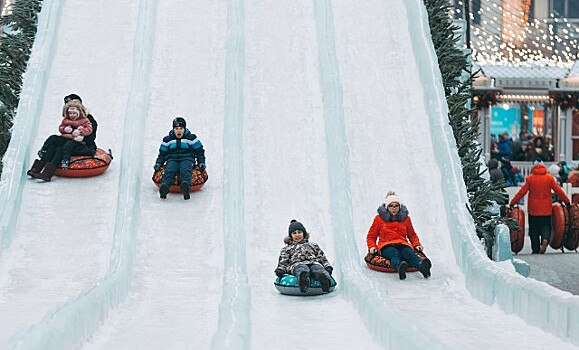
(307, 110)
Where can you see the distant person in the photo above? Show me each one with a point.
(495, 173)
(507, 170)
(539, 185)
(304, 259)
(504, 146)
(519, 178)
(180, 150)
(392, 234)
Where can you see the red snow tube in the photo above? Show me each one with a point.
(197, 181)
(517, 236)
(378, 263)
(85, 166)
(560, 225)
(571, 240)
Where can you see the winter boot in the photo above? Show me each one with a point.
(163, 190)
(64, 164)
(36, 168)
(325, 283)
(424, 267)
(402, 267)
(304, 281)
(544, 246)
(185, 189)
(46, 173)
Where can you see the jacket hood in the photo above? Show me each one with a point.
(539, 169)
(493, 164)
(388, 217)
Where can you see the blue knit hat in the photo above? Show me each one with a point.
(296, 225)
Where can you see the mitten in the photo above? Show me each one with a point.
(75, 132)
(68, 129)
(330, 270)
(279, 273)
(79, 138)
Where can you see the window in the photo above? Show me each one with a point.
(565, 8)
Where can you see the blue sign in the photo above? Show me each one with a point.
(505, 120)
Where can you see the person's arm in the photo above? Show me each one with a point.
(559, 191)
(372, 235)
(522, 192)
(412, 236)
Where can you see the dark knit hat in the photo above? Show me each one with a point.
(179, 121)
(72, 97)
(296, 225)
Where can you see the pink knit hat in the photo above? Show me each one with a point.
(391, 197)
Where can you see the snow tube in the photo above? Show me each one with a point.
(85, 166)
(559, 224)
(571, 240)
(288, 285)
(197, 181)
(517, 236)
(378, 263)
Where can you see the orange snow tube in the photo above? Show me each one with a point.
(517, 236)
(378, 263)
(85, 166)
(197, 181)
(571, 240)
(559, 225)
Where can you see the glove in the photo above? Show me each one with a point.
(279, 273)
(202, 166)
(157, 166)
(418, 248)
(75, 132)
(79, 138)
(330, 270)
(68, 129)
(373, 250)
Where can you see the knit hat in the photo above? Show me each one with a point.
(538, 161)
(72, 97)
(296, 225)
(179, 122)
(391, 198)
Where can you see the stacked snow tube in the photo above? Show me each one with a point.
(571, 239)
(517, 235)
(560, 224)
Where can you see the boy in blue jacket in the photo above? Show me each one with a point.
(181, 150)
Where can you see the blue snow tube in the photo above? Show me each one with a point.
(288, 284)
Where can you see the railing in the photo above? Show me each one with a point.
(526, 167)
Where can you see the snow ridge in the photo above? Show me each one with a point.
(25, 126)
(68, 325)
(354, 282)
(234, 331)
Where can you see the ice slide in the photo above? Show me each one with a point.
(303, 108)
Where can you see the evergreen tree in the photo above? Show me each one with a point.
(19, 30)
(454, 65)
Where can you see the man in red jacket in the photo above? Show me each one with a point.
(539, 185)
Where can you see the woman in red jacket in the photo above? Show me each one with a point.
(540, 205)
(393, 235)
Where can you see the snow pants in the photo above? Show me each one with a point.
(184, 167)
(58, 148)
(539, 230)
(314, 270)
(396, 252)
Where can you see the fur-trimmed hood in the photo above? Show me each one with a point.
(388, 217)
(288, 239)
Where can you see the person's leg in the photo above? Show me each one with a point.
(544, 228)
(392, 253)
(408, 255)
(302, 272)
(534, 234)
(320, 273)
(171, 168)
(52, 140)
(185, 175)
(67, 151)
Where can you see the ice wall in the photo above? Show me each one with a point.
(536, 302)
(375, 308)
(16, 159)
(68, 325)
(234, 328)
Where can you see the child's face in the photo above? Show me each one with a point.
(179, 131)
(73, 113)
(297, 236)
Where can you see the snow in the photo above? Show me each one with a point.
(307, 110)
